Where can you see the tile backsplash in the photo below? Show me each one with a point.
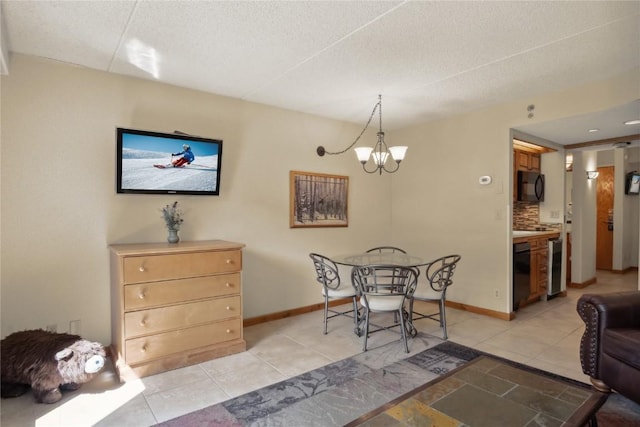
(526, 215)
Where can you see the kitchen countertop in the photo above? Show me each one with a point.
(541, 233)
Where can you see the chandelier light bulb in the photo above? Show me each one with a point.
(398, 152)
(363, 153)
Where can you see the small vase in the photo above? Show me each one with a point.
(173, 236)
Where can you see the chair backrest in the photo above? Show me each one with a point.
(385, 280)
(384, 249)
(439, 272)
(326, 271)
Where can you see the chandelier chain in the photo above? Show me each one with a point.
(366, 126)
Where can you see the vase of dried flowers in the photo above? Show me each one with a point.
(173, 236)
(172, 215)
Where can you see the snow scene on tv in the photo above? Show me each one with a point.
(144, 169)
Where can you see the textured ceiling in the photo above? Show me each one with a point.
(428, 59)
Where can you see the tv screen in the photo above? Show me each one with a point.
(632, 183)
(167, 163)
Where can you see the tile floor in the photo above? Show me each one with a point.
(545, 335)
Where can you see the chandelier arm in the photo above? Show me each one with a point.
(361, 133)
(392, 170)
(364, 168)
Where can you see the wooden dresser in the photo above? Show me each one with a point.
(174, 305)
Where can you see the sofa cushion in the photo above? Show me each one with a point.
(623, 344)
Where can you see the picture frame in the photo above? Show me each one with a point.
(318, 200)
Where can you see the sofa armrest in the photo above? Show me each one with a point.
(599, 312)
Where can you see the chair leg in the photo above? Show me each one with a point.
(404, 332)
(326, 313)
(356, 314)
(443, 320)
(366, 329)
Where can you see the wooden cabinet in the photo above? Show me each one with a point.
(523, 161)
(539, 267)
(174, 305)
(527, 161)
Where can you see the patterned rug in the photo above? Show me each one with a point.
(342, 391)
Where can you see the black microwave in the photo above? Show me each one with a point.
(530, 186)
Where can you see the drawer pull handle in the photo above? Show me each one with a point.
(228, 308)
(141, 269)
(228, 285)
(229, 261)
(144, 348)
(228, 331)
(141, 295)
(143, 322)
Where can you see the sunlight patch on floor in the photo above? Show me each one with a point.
(89, 408)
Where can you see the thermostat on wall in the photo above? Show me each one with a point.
(484, 180)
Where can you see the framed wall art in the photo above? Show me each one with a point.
(318, 200)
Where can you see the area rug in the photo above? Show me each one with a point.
(336, 394)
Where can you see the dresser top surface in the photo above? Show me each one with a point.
(169, 248)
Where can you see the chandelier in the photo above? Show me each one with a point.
(379, 154)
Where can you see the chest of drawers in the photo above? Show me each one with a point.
(174, 305)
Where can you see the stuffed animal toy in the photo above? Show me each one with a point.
(47, 362)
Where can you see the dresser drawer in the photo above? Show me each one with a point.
(154, 294)
(147, 348)
(140, 269)
(145, 322)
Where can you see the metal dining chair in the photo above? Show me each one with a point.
(387, 250)
(438, 277)
(328, 275)
(384, 249)
(385, 288)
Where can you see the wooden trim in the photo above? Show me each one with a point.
(603, 141)
(625, 271)
(293, 312)
(583, 284)
(314, 307)
(479, 310)
(531, 147)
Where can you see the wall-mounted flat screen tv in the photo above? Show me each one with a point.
(632, 183)
(167, 163)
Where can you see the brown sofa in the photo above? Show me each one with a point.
(610, 346)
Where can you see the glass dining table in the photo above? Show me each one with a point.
(380, 258)
(384, 258)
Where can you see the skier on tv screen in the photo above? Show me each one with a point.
(184, 157)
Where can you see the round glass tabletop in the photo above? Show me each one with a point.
(377, 258)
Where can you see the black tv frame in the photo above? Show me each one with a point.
(151, 143)
(632, 183)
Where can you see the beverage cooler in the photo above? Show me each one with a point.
(554, 283)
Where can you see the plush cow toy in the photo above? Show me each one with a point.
(48, 362)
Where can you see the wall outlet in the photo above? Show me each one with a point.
(74, 327)
(52, 328)
(496, 293)
(555, 214)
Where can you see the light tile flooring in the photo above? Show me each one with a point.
(545, 335)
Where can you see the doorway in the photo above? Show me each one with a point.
(604, 218)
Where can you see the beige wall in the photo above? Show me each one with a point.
(60, 210)
(440, 208)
